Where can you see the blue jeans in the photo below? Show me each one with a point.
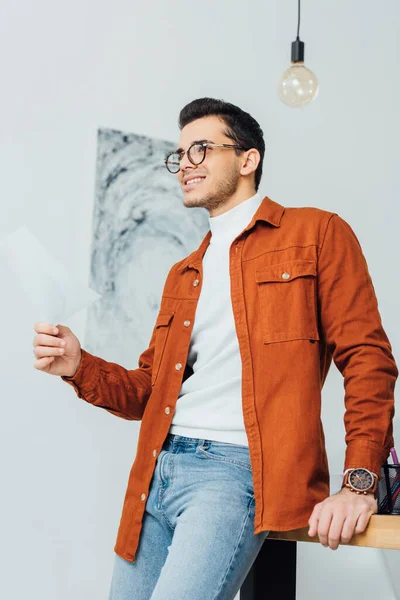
(197, 540)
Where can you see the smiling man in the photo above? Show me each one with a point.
(231, 443)
(226, 185)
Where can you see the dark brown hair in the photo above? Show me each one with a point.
(241, 127)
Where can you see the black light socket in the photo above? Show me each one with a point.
(297, 51)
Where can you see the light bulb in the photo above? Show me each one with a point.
(298, 85)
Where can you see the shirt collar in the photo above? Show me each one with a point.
(269, 211)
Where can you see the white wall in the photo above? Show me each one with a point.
(69, 68)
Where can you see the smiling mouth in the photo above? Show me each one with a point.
(193, 183)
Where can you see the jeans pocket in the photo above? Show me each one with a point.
(231, 454)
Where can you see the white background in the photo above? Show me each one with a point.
(68, 69)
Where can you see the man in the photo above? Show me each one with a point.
(231, 442)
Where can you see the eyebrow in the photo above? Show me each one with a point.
(195, 142)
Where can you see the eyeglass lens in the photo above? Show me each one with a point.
(196, 154)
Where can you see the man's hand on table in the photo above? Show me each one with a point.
(338, 517)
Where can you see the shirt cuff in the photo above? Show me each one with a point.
(86, 377)
(365, 453)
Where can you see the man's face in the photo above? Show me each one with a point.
(220, 168)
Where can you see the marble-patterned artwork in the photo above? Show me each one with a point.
(140, 229)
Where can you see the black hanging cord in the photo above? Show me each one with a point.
(298, 21)
(298, 46)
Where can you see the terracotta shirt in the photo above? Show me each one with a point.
(301, 296)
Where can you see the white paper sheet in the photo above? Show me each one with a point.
(34, 285)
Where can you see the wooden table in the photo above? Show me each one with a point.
(275, 565)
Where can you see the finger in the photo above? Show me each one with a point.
(362, 522)
(43, 339)
(335, 530)
(313, 520)
(348, 529)
(313, 526)
(43, 362)
(42, 351)
(42, 327)
(323, 526)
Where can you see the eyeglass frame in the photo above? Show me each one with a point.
(205, 146)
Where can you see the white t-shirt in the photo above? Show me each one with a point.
(209, 405)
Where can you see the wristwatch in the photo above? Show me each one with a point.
(360, 481)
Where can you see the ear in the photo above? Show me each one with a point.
(250, 161)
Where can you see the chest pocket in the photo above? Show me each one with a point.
(163, 325)
(287, 301)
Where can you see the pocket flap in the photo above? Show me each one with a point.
(286, 271)
(164, 318)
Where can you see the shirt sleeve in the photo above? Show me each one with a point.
(358, 344)
(122, 392)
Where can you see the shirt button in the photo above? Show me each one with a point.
(143, 497)
(178, 366)
(186, 323)
(285, 275)
(196, 282)
(154, 452)
(167, 410)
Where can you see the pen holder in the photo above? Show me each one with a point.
(389, 490)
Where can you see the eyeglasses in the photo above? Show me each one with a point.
(196, 154)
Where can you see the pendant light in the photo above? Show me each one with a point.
(298, 86)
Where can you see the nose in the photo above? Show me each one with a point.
(185, 163)
(186, 168)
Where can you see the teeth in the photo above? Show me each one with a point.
(195, 180)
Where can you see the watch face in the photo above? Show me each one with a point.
(361, 479)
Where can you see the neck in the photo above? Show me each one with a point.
(237, 198)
